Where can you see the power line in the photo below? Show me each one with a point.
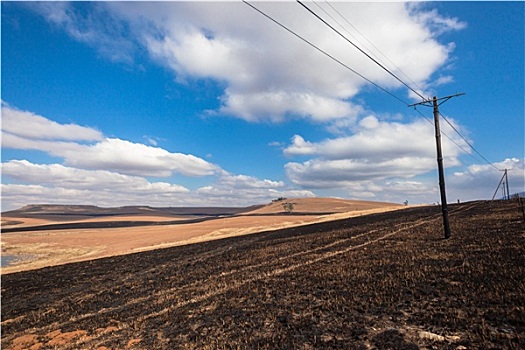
(468, 143)
(361, 50)
(364, 37)
(388, 71)
(444, 99)
(324, 52)
(444, 134)
(384, 56)
(457, 144)
(368, 80)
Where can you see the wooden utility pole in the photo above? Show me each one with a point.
(505, 182)
(435, 105)
(441, 172)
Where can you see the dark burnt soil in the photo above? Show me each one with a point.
(384, 281)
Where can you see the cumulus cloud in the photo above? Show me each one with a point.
(58, 175)
(341, 173)
(135, 158)
(26, 130)
(276, 106)
(376, 150)
(247, 190)
(480, 181)
(27, 125)
(110, 171)
(395, 191)
(268, 74)
(379, 160)
(15, 196)
(477, 181)
(59, 184)
(300, 147)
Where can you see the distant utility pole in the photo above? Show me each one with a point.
(435, 106)
(505, 181)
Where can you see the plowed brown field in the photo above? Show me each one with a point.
(384, 281)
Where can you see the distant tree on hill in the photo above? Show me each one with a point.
(288, 207)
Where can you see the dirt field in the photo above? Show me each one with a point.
(65, 240)
(384, 281)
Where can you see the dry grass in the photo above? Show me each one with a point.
(323, 205)
(38, 249)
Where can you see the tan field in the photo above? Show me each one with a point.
(36, 249)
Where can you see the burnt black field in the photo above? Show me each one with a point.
(383, 281)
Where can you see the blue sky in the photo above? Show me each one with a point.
(212, 104)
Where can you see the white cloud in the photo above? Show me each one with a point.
(15, 196)
(391, 191)
(26, 130)
(300, 147)
(27, 125)
(442, 80)
(436, 22)
(481, 181)
(247, 190)
(276, 106)
(97, 28)
(58, 184)
(136, 159)
(477, 181)
(61, 176)
(341, 173)
(111, 172)
(151, 140)
(269, 74)
(230, 181)
(376, 141)
(380, 160)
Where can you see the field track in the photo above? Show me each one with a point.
(380, 281)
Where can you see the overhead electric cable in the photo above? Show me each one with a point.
(361, 50)
(357, 30)
(364, 37)
(324, 52)
(444, 134)
(457, 144)
(370, 81)
(468, 143)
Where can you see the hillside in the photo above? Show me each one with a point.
(44, 235)
(318, 205)
(53, 212)
(385, 281)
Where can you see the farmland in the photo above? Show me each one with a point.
(385, 280)
(38, 236)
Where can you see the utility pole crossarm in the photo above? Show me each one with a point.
(430, 102)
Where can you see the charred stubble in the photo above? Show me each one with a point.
(386, 280)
